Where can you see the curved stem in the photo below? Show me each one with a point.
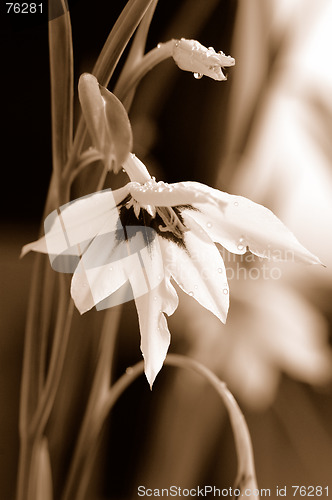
(150, 60)
(246, 477)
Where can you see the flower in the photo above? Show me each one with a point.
(134, 242)
(147, 233)
(190, 55)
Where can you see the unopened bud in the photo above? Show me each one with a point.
(191, 55)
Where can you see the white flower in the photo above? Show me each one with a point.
(146, 234)
(191, 55)
(131, 243)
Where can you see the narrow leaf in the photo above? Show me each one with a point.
(61, 72)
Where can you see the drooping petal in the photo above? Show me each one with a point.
(155, 336)
(70, 229)
(107, 121)
(162, 194)
(199, 270)
(242, 224)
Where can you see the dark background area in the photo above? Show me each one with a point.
(25, 90)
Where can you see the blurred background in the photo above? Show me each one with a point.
(264, 134)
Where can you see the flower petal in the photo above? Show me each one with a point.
(69, 230)
(199, 271)
(114, 259)
(107, 121)
(161, 194)
(243, 224)
(155, 336)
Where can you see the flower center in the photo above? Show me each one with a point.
(167, 222)
(171, 220)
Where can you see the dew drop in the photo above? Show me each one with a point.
(219, 270)
(225, 291)
(124, 170)
(198, 76)
(191, 294)
(241, 245)
(155, 297)
(195, 286)
(236, 203)
(209, 224)
(159, 45)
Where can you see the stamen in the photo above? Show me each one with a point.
(171, 221)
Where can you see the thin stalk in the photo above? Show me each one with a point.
(246, 477)
(62, 89)
(99, 391)
(86, 159)
(32, 426)
(149, 61)
(137, 48)
(106, 63)
(118, 39)
(59, 348)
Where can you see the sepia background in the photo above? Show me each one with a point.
(264, 134)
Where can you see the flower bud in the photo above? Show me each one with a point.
(191, 55)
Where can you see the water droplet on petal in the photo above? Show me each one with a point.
(241, 245)
(225, 290)
(195, 286)
(124, 170)
(159, 45)
(191, 294)
(220, 270)
(236, 203)
(198, 76)
(155, 297)
(209, 224)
